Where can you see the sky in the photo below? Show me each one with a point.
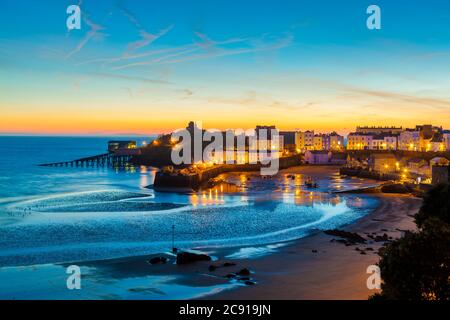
(141, 67)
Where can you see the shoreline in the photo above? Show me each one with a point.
(315, 267)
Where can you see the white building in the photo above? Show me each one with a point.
(409, 140)
(359, 141)
(446, 138)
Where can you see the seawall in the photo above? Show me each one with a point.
(185, 183)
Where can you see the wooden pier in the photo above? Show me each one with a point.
(102, 160)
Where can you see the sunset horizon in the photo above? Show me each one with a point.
(225, 159)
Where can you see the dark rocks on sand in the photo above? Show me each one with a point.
(229, 264)
(158, 260)
(212, 268)
(382, 238)
(362, 252)
(395, 188)
(351, 237)
(249, 283)
(189, 257)
(244, 272)
(314, 251)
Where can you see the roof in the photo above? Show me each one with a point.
(121, 141)
(437, 138)
(416, 160)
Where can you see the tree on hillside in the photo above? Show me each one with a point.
(435, 204)
(417, 266)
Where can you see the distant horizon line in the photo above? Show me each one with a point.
(136, 134)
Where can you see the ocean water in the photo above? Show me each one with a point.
(58, 215)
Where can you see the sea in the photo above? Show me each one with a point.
(54, 216)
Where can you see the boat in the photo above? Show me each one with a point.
(310, 183)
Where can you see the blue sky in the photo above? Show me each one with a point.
(150, 66)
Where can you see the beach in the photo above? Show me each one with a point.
(314, 267)
(274, 228)
(335, 271)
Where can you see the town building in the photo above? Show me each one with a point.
(383, 162)
(409, 140)
(304, 140)
(379, 130)
(318, 142)
(359, 141)
(446, 139)
(318, 157)
(336, 142)
(117, 145)
(436, 143)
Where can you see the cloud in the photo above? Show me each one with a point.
(92, 33)
(127, 77)
(208, 49)
(147, 37)
(427, 102)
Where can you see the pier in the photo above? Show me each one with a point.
(102, 160)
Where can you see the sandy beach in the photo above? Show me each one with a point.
(335, 271)
(314, 267)
(318, 266)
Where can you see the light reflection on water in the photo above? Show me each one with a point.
(56, 214)
(50, 215)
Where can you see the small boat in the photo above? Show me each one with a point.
(310, 183)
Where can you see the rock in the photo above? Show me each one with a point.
(230, 276)
(229, 264)
(362, 252)
(244, 278)
(395, 188)
(314, 251)
(249, 283)
(382, 238)
(158, 260)
(357, 249)
(244, 272)
(351, 237)
(189, 257)
(212, 268)
(369, 249)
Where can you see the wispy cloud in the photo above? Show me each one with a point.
(208, 49)
(147, 37)
(438, 104)
(93, 32)
(127, 77)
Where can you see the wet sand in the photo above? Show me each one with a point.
(315, 267)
